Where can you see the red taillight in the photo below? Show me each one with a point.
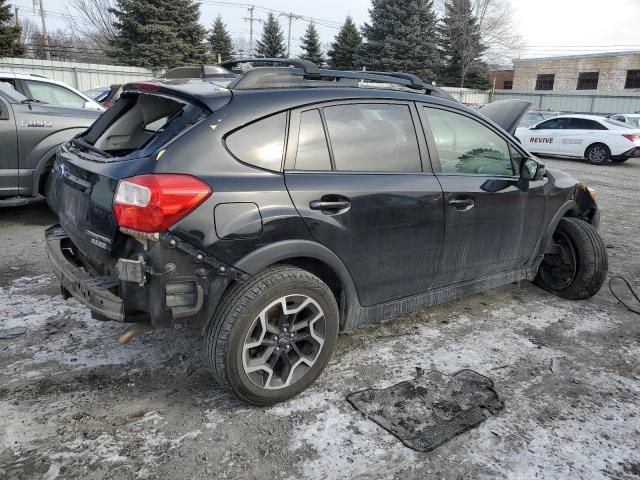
(634, 137)
(152, 203)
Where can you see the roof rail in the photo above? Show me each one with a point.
(306, 74)
(308, 67)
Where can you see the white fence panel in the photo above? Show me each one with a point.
(82, 76)
(602, 103)
(468, 95)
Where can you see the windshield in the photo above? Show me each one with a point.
(96, 93)
(621, 124)
(635, 121)
(11, 94)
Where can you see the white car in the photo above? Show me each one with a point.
(595, 138)
(49, 91)
(632, 119)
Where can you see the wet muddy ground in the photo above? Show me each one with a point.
(75, 404)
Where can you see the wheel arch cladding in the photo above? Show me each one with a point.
(313, 257)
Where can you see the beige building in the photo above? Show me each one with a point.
(602, 72)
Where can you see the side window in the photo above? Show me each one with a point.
(466, 146)
(54, 94)
(313, 153)
(554, 124)
(260, 143)
(585, 124)
(373, 138)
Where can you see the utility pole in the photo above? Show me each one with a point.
(17, 15)
(45, 35)
(291, 18)
(251, 21)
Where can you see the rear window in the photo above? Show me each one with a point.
(261, 143)
(373, 138)
(139, 124)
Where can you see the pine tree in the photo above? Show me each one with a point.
(345, 46)
(220, 41)
(401, 37)
(271, 45)
(10, 43)
(158, 33)
(310, 44)
(461, 47)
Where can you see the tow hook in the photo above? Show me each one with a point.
(133, 331)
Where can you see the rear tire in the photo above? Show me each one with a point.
(577, 269)
(272, 335)
(598, 154)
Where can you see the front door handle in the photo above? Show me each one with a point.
(322, 205)
(462, 204)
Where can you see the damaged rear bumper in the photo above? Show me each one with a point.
(91, 291)
(166, 283)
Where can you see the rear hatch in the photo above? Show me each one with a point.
(124, 142)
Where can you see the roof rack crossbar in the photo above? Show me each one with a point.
(308, 67)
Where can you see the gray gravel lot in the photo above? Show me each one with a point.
(75, 404)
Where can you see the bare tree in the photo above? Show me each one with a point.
(92, 20)
(498, 29)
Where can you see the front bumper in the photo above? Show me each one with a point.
(92, 291)
(168, 283)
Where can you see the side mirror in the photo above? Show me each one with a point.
(531, 170)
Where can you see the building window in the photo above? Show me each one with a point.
(588, 80)
(507, 85)
(633, 79)
(545, 81)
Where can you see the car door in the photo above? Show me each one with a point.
(492, 221)
(55, 95)
(354, 172)
(9, 162)
(545, 137)
(581, 133)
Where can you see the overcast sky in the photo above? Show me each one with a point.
(548, 27)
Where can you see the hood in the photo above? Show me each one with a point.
(506, 113)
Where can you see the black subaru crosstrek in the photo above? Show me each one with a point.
(297, 202)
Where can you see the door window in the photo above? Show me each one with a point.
(313, 153)
(54, 94)
(585, 124)
(554, 124)
(466, 146)
(261, 143)
(373, 138)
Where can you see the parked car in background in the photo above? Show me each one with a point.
(50, 91)
(297, 202)
(536, 116)
(595, 138)
(632, 119)
(30, 133)
(105, 96)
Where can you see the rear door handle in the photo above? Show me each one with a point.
(462, 204)
(333, 206)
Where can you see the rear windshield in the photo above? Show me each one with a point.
(140, 124)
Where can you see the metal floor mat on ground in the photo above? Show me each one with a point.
(432, 409)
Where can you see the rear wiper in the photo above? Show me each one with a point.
(82, 143)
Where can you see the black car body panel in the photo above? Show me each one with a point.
(403, 240)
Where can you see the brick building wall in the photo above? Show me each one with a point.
(502, 79)
(612, 72)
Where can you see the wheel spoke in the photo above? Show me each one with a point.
(272, 353)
